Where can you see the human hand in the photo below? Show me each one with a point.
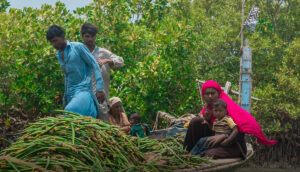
(212, 141)
(100, 96)
(126, 129)
(203, 119)
(102, 62)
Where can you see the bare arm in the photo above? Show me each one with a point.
(125, 125)
(229, 139)
(124, 120)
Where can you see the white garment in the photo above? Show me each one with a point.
(118, 62)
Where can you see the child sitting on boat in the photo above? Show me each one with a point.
(222, 125)
(138, 129)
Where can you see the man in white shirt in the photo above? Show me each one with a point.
(106, 61)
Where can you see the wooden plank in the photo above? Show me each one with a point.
(230, 91)
(227, 87)
(222, 164)
(167, 117)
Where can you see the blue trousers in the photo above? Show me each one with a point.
(82, 103)
(200, 148)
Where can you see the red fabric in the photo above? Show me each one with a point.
(245, 121)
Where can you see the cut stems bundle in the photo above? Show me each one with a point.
(71, 142)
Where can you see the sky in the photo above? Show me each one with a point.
(70, 4)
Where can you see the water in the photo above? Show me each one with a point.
(267, 170)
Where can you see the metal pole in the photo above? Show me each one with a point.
(242, 44)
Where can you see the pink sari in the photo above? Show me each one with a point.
(244, 120)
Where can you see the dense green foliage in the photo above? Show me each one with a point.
(172, 43)
(3, 5)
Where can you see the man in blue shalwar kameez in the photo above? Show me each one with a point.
(77, 63)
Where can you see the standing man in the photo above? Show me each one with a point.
(77, 63)
(105, 59)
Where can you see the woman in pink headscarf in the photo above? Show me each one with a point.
(200, 126)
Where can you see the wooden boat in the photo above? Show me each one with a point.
(228, 164)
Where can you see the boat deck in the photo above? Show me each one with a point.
(216, 164)
(222, 164)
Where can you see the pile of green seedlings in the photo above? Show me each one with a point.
(71, 142)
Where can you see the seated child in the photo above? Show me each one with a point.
(138, 129)
(222, 125)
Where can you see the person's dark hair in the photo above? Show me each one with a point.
(220, 102)
(89, 28)
(54, 31)
(136, 117)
